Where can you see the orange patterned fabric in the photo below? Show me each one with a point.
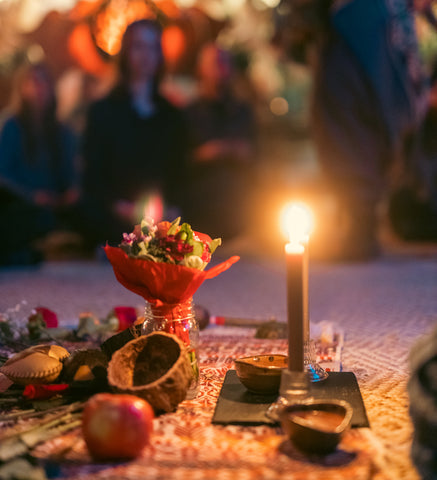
(187, 446)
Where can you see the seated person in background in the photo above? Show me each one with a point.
(369, 98)
(412, 207)
(133, 145)
(38, 175)
(222, 131)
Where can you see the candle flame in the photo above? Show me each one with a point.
(297, 222)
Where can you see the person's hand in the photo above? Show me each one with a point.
(69, 197)
(213, 150)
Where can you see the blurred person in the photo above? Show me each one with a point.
(78, 89)
(133, 144)
(366, 121)
(412, 207)
(369, 98)
(38, 172)
(222, 149)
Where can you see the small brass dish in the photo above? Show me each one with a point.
(316, 426)
(261, 373)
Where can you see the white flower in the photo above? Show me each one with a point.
(150, 224)
(194, 261)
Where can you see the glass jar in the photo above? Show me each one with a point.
(177, 319)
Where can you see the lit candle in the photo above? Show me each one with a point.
(295, 306)
(297, 222)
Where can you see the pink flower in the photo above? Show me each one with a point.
(129, 238)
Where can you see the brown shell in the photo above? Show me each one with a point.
(95, 359)
(155, 367)
(35, 365)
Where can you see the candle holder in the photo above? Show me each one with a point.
(294, 388)
(315, 372)
(297, 222)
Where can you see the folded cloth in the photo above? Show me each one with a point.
(422, 389)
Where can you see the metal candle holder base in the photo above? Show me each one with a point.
(294, 385)
(294, 388)
(315, 371)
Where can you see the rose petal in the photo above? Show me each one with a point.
(126, 316)
(49, 317)
(41, 392)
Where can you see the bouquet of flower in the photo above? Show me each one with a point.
(165, 263)
(170, 243)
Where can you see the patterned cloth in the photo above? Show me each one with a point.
(187, 446)
(383, 307)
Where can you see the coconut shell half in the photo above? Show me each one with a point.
(155, 367)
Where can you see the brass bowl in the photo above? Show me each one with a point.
(316, 426)
(261, 373)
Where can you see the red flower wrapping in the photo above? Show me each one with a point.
(160, 283)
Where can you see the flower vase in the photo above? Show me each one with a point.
(177, 319)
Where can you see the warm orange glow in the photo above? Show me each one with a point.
(173, 44)
(83, 50)
(84, 8)
(279, 106)
(168, 8)
(112, 22)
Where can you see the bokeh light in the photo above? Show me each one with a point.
(279, 106)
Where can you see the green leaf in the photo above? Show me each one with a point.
(174, 226)
(214, 244)
(197, 248)
(186, 228)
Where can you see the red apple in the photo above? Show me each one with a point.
(116, 426)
